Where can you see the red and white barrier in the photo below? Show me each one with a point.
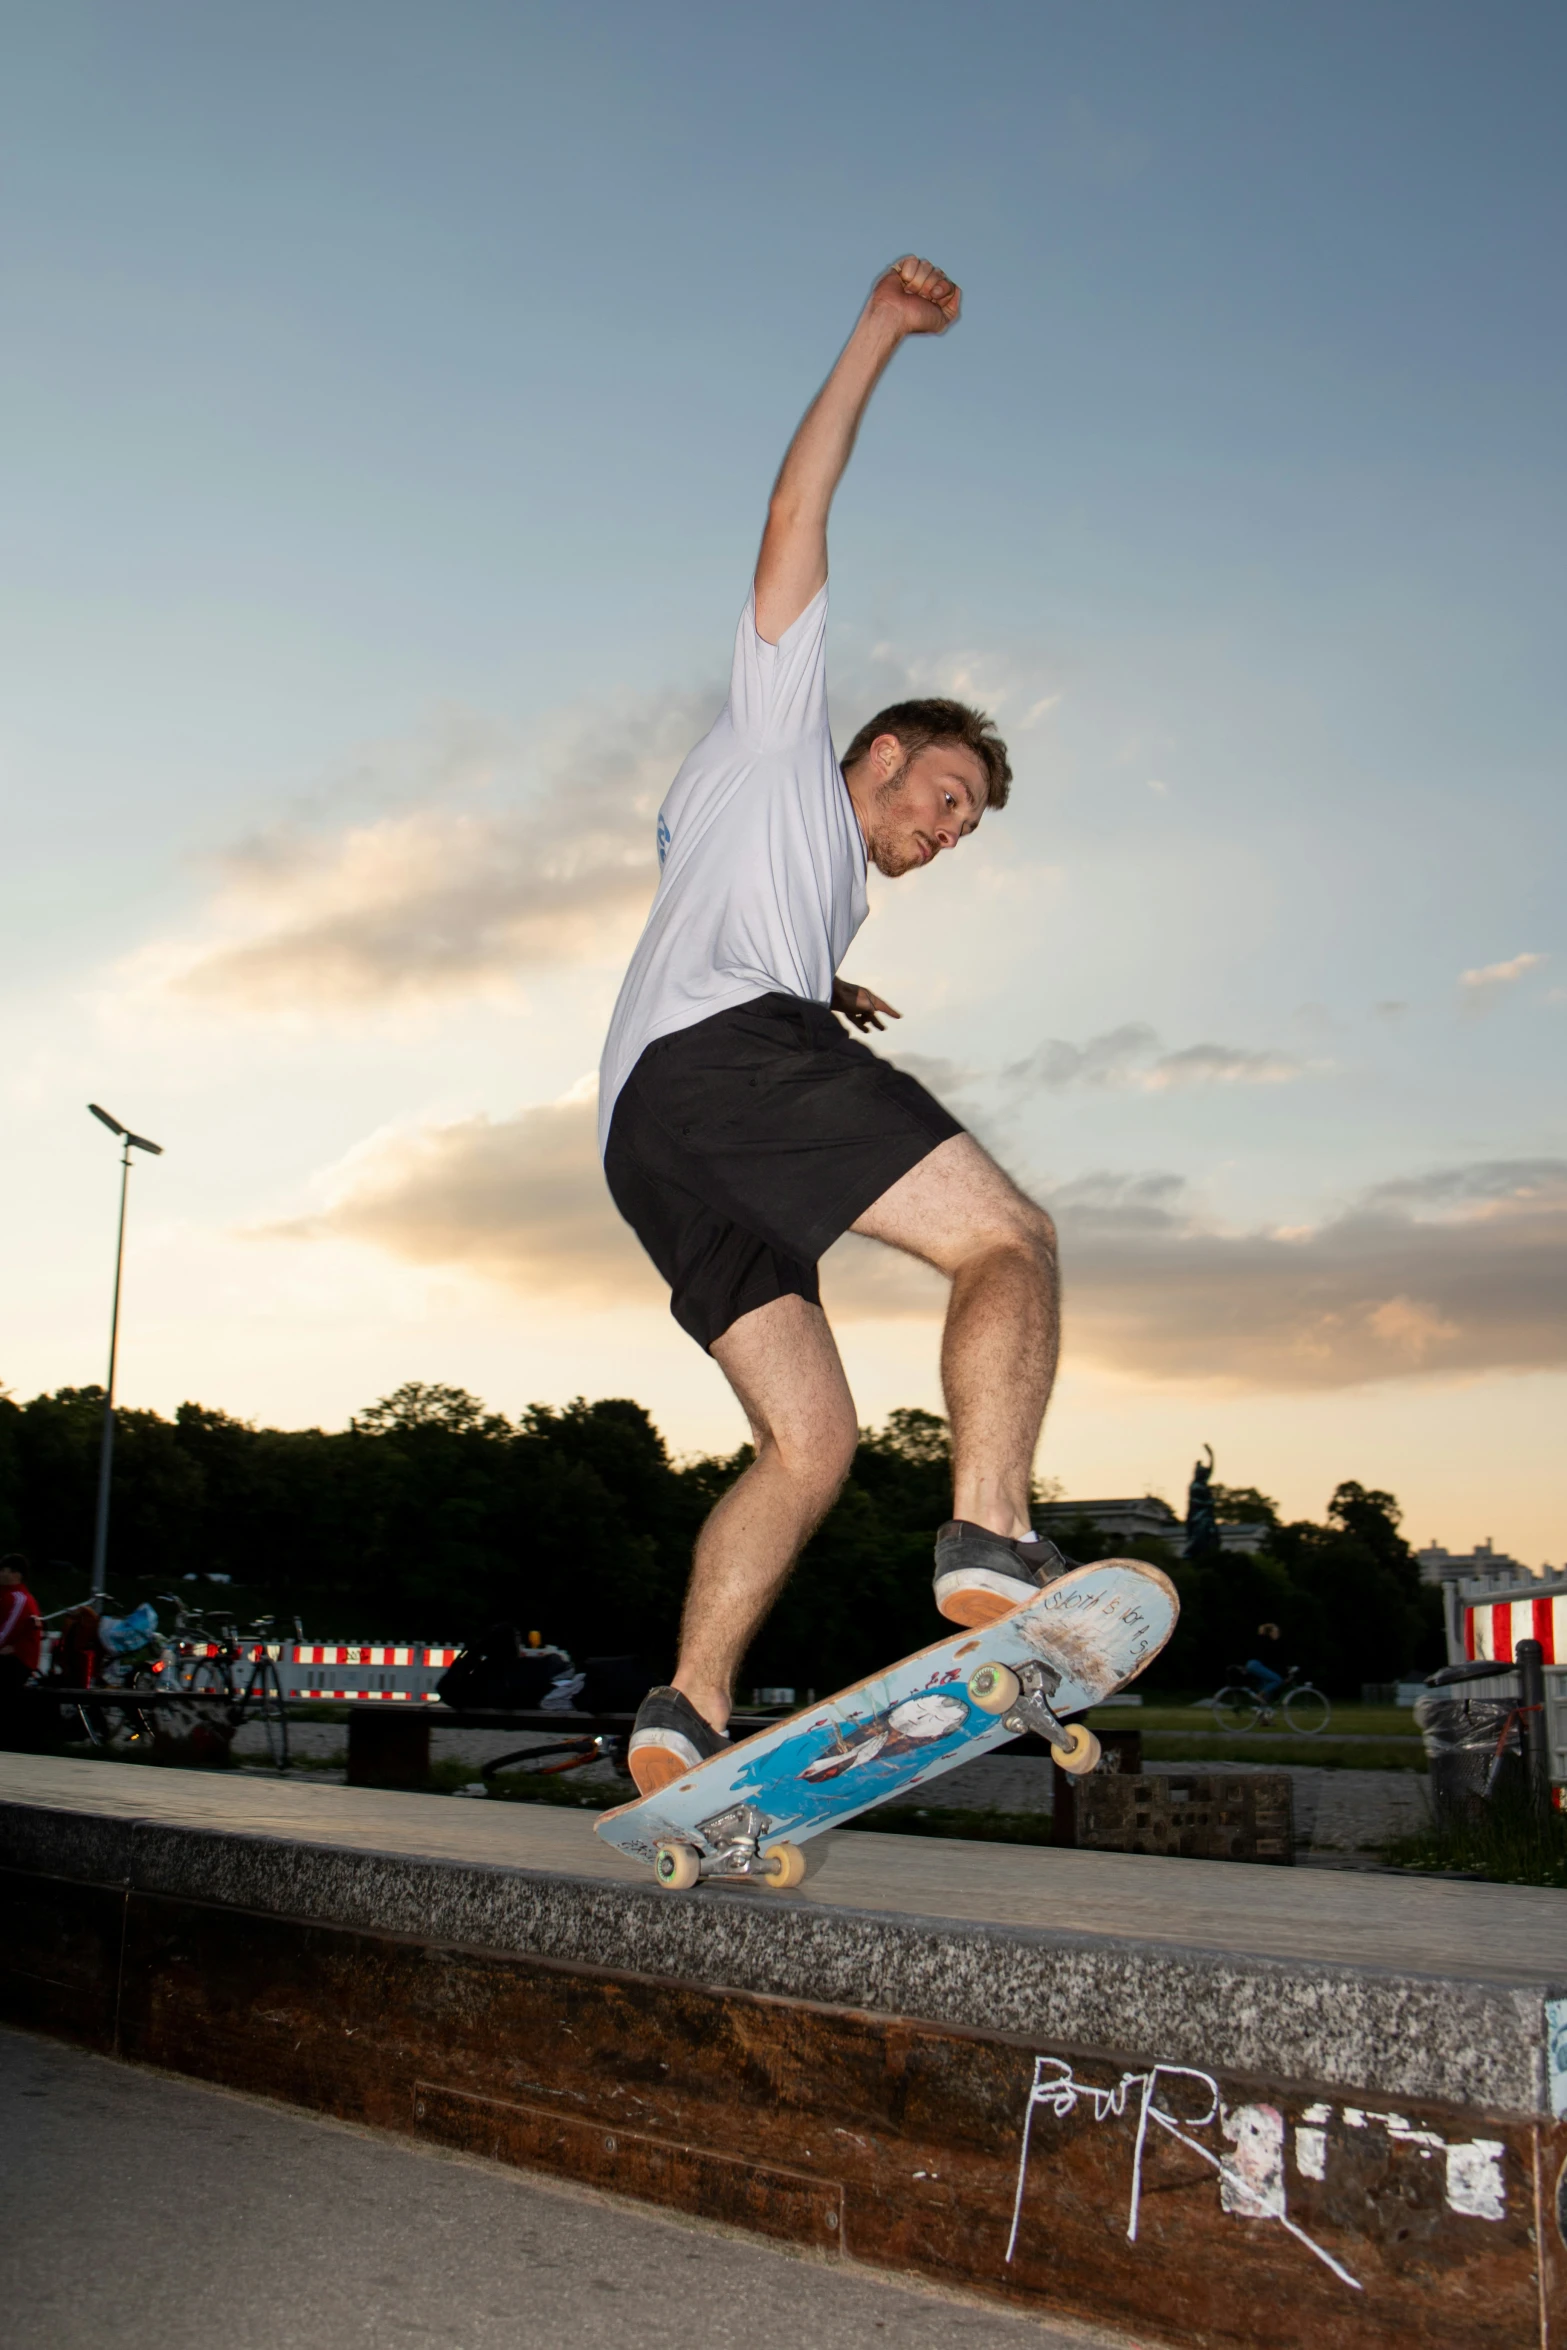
(1494, 1629)
(335, 1670)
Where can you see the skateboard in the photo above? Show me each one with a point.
(745, 1813)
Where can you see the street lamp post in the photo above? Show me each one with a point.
(100, 1544)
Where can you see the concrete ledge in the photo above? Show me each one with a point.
(1434, 1990)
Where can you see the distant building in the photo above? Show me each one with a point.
(1485, 1566)
(1145, 1518)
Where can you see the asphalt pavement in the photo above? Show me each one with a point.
(148, 2212)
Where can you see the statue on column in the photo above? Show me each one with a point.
(1202, 1526)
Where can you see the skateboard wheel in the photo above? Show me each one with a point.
(1081, 1752)
(677, 1867)
(995, 1689)
(786, 1866)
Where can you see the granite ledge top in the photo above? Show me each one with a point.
(1505, 1935)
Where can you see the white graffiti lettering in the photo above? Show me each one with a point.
(1251, 2179)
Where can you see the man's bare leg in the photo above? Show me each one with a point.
(959, 1212)
(783, 1365)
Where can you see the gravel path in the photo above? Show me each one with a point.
(1337, 1813)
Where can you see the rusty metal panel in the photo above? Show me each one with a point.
(1243, 2212)
(1205, 2208)
(60, 1956)
(724, 2187)
(1551, 2204)
(1212, 2209)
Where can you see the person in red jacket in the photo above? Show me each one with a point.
(21, 1627)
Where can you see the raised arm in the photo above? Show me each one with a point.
(911, 298)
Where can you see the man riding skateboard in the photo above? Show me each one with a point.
(744, 1131)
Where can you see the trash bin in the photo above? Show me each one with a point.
(1474, 1753)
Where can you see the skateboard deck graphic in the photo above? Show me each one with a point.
(1083, 1637)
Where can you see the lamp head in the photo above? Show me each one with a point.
(133, 1142)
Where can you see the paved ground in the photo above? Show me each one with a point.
(1431, 1925)
(157, 2215)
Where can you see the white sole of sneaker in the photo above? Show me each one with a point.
(980, 1595)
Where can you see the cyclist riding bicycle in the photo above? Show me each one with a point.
(1268, 1682)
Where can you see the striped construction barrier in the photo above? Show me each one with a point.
(1494, 1629)
(373, 1674)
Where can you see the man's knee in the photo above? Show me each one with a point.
(816, 1448)
(1018, 1228)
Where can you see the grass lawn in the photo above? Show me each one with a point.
(1285, 1753)
(1181, 1731)
(1173, 1713)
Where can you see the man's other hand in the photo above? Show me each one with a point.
(916, 297)
(859, 1005)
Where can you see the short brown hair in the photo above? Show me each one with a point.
(936, 720)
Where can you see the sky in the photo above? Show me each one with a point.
(389, 402)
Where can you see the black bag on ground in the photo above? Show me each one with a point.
(1474, 1752)
(497, 1674)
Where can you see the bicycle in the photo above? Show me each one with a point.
(224, 1662)
(1241, 1705)
(79, 1658)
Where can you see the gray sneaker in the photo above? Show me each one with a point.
(982, 1576)
(669, 1738)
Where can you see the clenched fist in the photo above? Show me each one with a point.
(917, 297)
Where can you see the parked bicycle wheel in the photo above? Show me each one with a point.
(1236, 1709)
(264, 1698)
(139, 1728)
(1306, 1709)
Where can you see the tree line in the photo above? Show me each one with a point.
(430, 1518)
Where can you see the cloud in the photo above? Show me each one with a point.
(1483, 988)
(1454, 1271)
(938, 1076)
(886, 672)
(1462, 1270)
(452, 895)
(521, 1200)
(1130, 1057)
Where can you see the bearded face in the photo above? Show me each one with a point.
(890, 836)
(926, 803)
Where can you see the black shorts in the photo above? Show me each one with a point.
(741, 1148)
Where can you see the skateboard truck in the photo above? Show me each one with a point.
(1022, 1699)
(735, 1841)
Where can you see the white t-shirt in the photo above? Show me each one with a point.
(763, 867)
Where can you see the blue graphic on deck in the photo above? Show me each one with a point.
(861, 1758)
(665, 836)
